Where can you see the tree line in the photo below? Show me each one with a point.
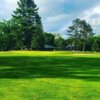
(25, 29)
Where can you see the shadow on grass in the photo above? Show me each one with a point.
(50, 67)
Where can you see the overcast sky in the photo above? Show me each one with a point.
(57, 15)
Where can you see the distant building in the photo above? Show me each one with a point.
(48, 47)
(70, 48)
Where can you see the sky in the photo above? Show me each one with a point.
(57, 15)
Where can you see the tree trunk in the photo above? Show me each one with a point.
(84, 46)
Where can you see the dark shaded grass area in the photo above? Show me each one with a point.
(50, 67)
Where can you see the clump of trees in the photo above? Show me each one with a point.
(81, 35)
(48, 38)
(80, 31)
(59, 42)
(23, 29)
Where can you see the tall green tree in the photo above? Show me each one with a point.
(85, 32)
(16, 33)
(74, 30)
(80, 31)
(37, 37)
(29, 20)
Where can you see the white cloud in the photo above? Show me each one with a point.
(90, 12)
(64, 28)
(92, 16)
(57, 18)
(50, 7)
(65, 36)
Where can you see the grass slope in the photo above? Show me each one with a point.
(32, 75)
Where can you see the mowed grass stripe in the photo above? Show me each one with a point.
(30, 75)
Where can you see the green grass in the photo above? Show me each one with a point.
(36, 75)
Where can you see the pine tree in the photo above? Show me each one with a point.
(26, 14)
(73, 31)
